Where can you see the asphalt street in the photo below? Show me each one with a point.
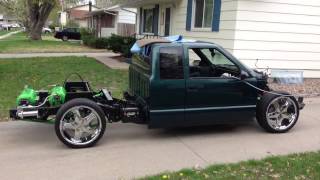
(32, 151)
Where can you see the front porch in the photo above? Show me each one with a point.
(155, 17)
(104, 23)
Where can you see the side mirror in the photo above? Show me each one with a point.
(244, 75)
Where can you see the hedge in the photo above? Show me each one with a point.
(116, 43)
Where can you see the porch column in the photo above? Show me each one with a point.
(156, 16)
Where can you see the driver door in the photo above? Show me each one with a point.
(213, 96)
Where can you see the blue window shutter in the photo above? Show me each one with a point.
(189, 15)
(141, 21)
(156, 12)
(216, 16)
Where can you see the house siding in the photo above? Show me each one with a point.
(226, 34)
(224, 37)
(282, 34)
(127, 17)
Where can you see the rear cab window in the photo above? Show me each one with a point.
(143, 60)
(171, 62)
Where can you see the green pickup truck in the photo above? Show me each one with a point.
(171, 84)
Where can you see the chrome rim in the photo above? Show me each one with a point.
(282, 113)
(80, 125)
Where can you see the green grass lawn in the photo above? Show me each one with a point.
(19, 43)
(292, 167)
(41, 72)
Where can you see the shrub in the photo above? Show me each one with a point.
(86, 39)
(85, 32)
(116, 43)
(101, 43)
(98, 43)
(121, 44)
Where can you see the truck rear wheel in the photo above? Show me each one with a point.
(277, 114)
(80, 123)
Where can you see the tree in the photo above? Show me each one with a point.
(38, 12)
(14, 8)
(32, 13)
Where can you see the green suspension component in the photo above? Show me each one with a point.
(27, 97)
(57, 96)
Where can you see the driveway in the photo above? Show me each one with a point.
(32, 151)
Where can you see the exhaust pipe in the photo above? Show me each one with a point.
(27, 114)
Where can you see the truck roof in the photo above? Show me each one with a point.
(145, 43)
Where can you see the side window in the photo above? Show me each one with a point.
(216, 57)
(171, 63)
(211, 63)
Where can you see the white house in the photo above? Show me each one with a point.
(281, 34)
(114, 20)
(79, 14)
(4, 19)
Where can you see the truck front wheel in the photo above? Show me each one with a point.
(80, 123)
(277, 114)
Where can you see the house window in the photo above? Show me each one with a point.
(203, 13)
(148, 20)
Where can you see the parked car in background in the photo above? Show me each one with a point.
(15, 25)
(46, 30)
(6, 26)
(68, 33)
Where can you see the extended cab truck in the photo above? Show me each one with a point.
(187, 84)
(171, 84)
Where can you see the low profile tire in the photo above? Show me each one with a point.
(80, 123)
(277, 114)
(65, 38)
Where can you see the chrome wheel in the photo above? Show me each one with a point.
(282, 113)
(80, 125)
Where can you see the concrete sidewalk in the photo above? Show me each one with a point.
(30, 55)
(105, 58)
(32, 151)
(9, 34)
